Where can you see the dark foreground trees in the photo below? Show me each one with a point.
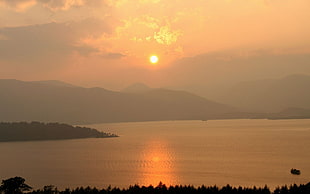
(17, 186)
(184, 189)
(14, 185)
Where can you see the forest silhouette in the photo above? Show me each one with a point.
(31, 131)
(17, 185)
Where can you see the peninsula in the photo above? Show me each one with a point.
(24, 131)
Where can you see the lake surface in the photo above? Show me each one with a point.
(236, 152)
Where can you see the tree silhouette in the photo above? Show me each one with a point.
(14, 185)
(17, 186)
(50, 189)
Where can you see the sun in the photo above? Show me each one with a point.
(153, 59)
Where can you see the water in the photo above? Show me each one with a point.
(236, 152)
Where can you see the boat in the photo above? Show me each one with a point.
(295, 171)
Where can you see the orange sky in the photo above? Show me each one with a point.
(107, 43)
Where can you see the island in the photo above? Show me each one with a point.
(33, 131)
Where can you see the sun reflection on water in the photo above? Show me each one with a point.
(158, 164)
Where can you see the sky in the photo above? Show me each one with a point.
(201, 44)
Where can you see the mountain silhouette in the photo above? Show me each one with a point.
(271, 95)
(291, 113)
(54, 83)
(28, 101)
(136, 88)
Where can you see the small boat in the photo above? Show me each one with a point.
(295, 171)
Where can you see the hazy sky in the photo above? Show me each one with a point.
(107, 43)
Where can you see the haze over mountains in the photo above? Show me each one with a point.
(50, 102)
(269, 95)
(136, 88)
(56, 101)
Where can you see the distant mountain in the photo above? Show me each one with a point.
(28, 101)
(54, 83)
(291, 113)
(272, 95)
(136, 88)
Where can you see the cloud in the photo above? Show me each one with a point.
(18, 5)
(116, 3)
(54, 5)
(166, 36)
(89, 51)
(113, 55)
(36, 45)
(149, 1)
(150, 29)
(31, 45)
(86, 50)
(120, 3)
(62, 4)
(232, 66)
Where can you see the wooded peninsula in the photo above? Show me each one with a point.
(33, 131)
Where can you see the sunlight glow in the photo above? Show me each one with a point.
(153, 59)
(159, 164)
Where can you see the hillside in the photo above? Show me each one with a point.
(291, 113)
(23, 131)
(136, 88)
(272, 95)
(54, 83)
(27, 101)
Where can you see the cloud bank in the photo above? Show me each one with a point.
(110, 41)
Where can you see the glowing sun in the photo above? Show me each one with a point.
(153, 59)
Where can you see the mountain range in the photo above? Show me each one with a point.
(55, 101)
(269, 95)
